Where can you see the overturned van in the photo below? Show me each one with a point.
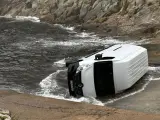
(110, 71)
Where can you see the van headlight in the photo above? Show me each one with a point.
(81, 67)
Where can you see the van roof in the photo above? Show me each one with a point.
(119, 52)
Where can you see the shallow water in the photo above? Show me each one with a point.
(29, 50)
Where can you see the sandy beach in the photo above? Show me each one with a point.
(29, 107)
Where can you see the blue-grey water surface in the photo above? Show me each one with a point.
(29, 49)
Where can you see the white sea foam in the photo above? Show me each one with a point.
(49, 85)
(59, 43)
(62, 97)
(65, 27)
(154, 76)
(82, 99)
(79, 39)
(6, 16)
(71, 43)
(154, 68)
(130, 94)
(86, 42)
(22, 18)
(89, 39)
(28, 18)
(60, 63)
(49, 81)
(155, 79)
(85, 35)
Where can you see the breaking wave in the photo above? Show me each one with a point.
(29, 18)
(50, 88)
(22, 18)
(71, 29)
(91, 41)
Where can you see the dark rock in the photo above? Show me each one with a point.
(48, 18)
(72, 19)
(29, 4)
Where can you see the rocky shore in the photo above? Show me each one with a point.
(137, 18)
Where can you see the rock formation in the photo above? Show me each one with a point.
(131, 16)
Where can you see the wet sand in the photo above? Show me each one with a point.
(147, 101)
(29, 107)
(153, 52)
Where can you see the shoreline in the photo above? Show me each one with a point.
(30, 107)
(122, 20)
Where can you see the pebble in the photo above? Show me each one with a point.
(4, 114)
